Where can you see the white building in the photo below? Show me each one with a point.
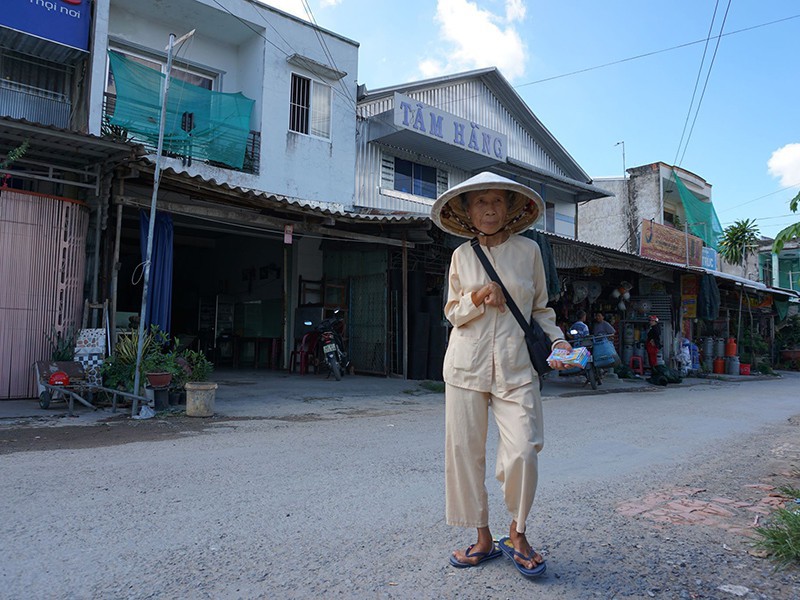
(417, 139)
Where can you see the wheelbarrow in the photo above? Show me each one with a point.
(73, 387)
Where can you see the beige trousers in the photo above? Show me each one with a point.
(518, 414)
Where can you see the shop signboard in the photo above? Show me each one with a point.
(689, 291)
(62, 21)
(669, 245)
(446, 127)
(709, 258)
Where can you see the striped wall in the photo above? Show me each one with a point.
(42, 265)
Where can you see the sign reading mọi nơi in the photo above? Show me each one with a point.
(448, 128)
(62, 21)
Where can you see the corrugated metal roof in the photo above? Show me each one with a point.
(494, 80)
(263, 199)
(61, 147)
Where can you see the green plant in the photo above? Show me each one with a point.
(117, 373)
(199, 367)
(781, 536)
(792, 232)
(62, 344)
(787, 335)
(736, 239)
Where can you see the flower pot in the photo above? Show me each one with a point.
(200, 397)
(158, 380)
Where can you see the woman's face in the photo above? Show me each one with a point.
(488, 210)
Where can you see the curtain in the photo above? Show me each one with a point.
(159, 294)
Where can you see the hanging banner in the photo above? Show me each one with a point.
(669, 245)
(689, 291)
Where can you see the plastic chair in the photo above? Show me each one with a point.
(637, 365)
(301, 354)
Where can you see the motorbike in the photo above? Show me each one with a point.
(601, 356)
(330, 345)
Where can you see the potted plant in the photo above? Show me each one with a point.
(787, 338)
(200, 393)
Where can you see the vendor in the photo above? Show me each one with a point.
(601, 326)
(653, 344)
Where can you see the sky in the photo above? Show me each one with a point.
(597, 73)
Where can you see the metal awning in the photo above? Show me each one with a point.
(59, 155)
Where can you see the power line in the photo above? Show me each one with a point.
(705, 84)
(760, 197)
(696, 82)
(654, 52)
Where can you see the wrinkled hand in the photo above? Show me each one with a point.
(491, 295)
(557, 364)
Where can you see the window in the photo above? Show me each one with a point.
(413, 178)
(549, 216)
(310, 107)
(182, 73)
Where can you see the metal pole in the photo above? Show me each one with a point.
(686, 237)
(405, 310)
(115, 277)
(152, 220)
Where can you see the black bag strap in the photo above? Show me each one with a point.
(496, 278)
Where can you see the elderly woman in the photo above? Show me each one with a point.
(487, 363)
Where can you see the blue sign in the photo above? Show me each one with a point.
(709, 258)
(66, 22)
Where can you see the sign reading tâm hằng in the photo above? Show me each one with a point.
(447, 127)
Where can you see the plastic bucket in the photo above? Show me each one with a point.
(744, 369)
(200, 397)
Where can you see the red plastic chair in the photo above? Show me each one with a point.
(303, 352)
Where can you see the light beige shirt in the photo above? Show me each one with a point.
(488, 346)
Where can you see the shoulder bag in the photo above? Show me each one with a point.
(536, 339)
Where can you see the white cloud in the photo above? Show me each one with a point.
(785, 164)
(326, 3)
(473, 38)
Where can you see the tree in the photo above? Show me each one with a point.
(736, 239)
(792, 232)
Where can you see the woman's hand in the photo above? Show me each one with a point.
(557, 364)
(491, 295)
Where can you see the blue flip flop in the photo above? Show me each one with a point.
(482, 557)
(507, 548)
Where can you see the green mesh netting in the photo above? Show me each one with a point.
(700, 216)
(221, 122)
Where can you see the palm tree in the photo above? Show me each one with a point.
(792, 232)
(736, 239)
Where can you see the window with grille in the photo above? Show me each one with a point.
(414, 178)
(310, 107)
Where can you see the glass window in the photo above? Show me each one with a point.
(310, 107)
(550, 217)
(414, 178)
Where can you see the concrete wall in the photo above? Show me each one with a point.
(605, 221)
(296, 165)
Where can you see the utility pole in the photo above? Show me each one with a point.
(152, 220)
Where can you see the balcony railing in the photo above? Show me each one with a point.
(20, 101)
(252, 155)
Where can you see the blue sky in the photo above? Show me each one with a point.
(745, 140)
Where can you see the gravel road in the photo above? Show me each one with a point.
(648, 495)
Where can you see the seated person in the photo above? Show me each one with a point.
(580, 327)
(601, 326)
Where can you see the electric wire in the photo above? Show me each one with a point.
(708, 76)
(696, 82)
(760, 197)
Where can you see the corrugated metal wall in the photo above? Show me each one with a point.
(469, 100)
(42, 266)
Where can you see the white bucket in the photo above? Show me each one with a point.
(200, 397)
